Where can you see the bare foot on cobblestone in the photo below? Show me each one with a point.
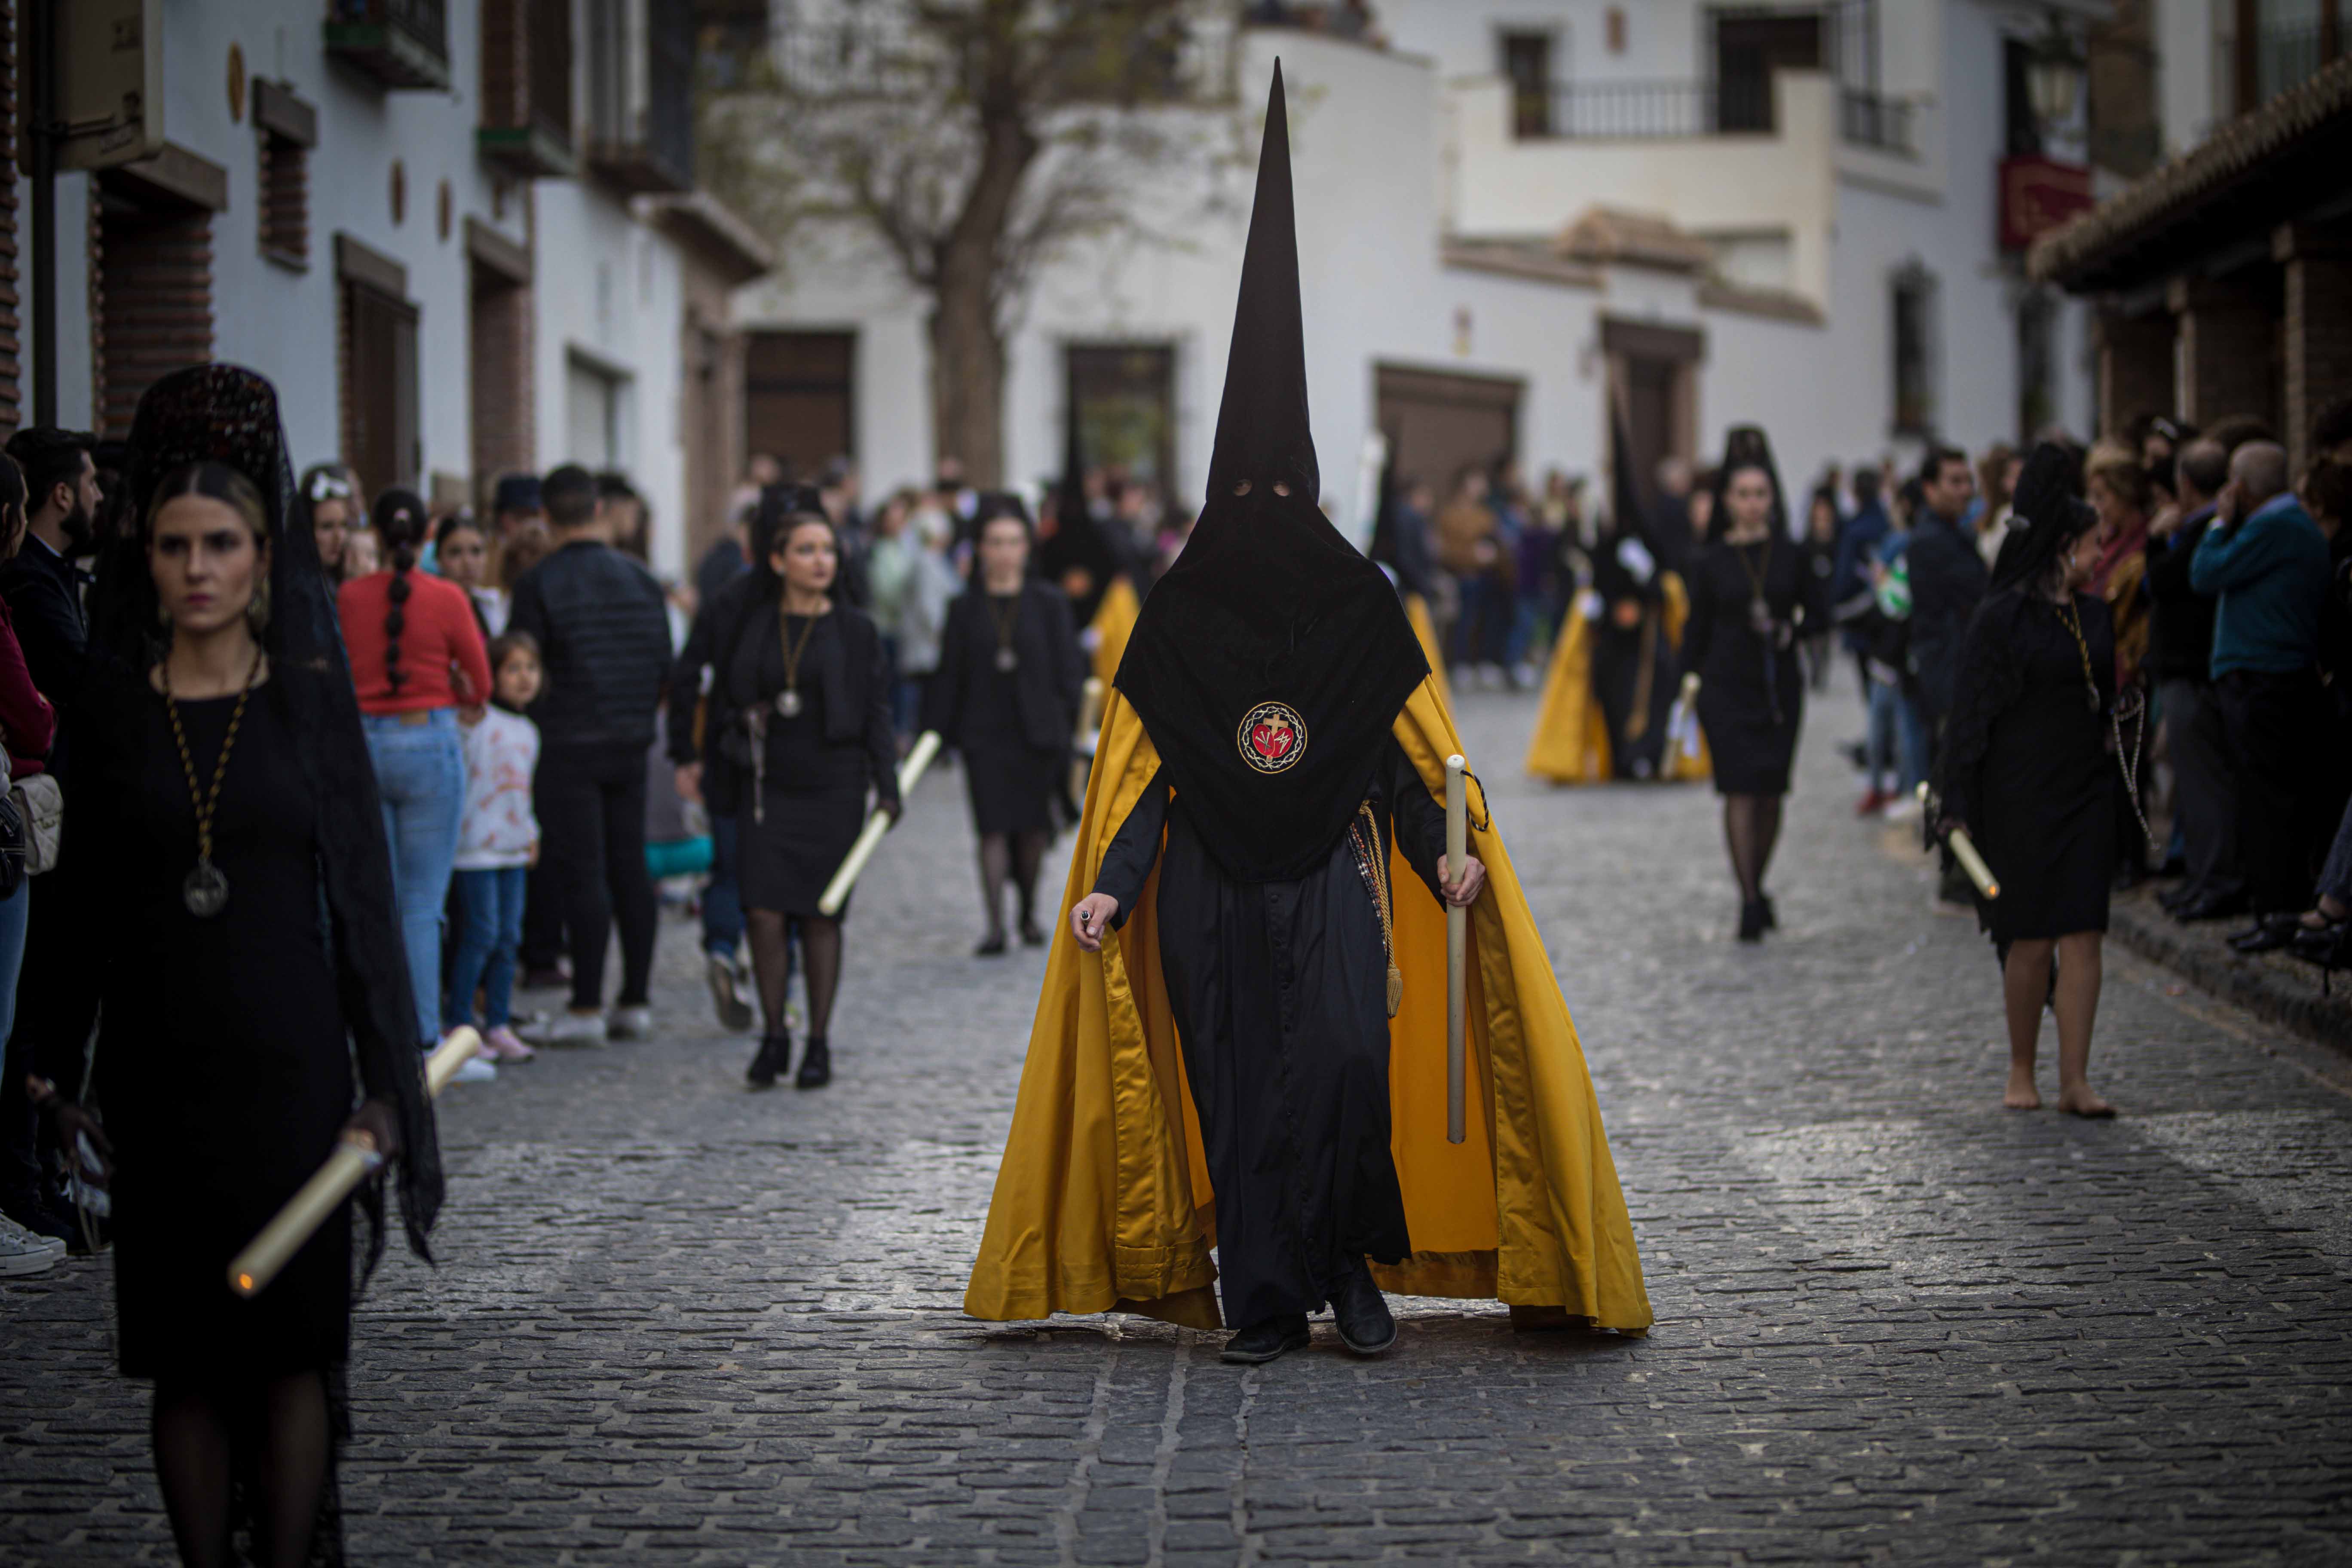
(2081, 1101)
(2022, 1095)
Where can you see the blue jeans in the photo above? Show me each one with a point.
(722, 902)
(490, 931)
(420, 772)
(1898, 740)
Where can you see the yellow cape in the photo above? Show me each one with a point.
(1113, 623)
(1570, 743)
(1103, 1201)
(1424, 631)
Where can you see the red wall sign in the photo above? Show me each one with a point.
(2038, 194)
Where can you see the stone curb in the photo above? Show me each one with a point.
(2279, 987)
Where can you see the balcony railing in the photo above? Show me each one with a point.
(645, 144)
(1867, 120)
(527, 87)
(1631, 110)
(401, 43)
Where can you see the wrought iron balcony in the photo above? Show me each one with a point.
(641, 132)
(1867, 120)
(400, 43)
(1635, 111)
(527, 87)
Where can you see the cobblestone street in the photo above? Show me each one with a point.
(677, 1322)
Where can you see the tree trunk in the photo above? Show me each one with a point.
(967, 380)
(967, 339)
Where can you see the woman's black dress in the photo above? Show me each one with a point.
(223, 1068)
(1751, 698)
(1013, 726)
(811, 785)
(2026, 765)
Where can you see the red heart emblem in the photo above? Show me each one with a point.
(1272, 741)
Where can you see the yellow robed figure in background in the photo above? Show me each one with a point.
(1103, 1201)
(1570, 744)
(1114, 621)
(1424, 632)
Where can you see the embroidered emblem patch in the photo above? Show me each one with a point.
(1272, 737)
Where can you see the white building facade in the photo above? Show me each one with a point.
(462, 236)
(1512, 213)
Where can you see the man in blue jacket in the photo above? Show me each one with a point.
(2266, 561)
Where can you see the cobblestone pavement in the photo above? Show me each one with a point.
(677, 1322)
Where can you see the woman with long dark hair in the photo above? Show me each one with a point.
(417, 656)
(796, 733)
(1754, 594)
(1006, 695)
(246, 957)
(27, 727)
(2026, 767)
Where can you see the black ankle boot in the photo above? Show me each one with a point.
(1751, 920)
(816, 1065)
(775, 1054)
(1366, 1325)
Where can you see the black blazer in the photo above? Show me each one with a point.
(850, 669)
(1046, 684)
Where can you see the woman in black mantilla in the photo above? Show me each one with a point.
(1006, 695)
(1753, 593)
(1269, 668)
(798, 730)
(250, 942)
(2027, 768)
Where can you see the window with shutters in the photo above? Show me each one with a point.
(379, 368)
(1914, 334)
(287, 129)
(152, 300)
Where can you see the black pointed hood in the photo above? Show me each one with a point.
(1079, 557)
(1271, 661)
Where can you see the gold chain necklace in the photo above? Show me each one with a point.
(206, 891)
(2069, 617)
(1759, 610)
(788, 700)
(1007, 619)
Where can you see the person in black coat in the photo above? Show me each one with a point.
(796, 731)
(1753, 595)
(2026, 767)
(1006, 695)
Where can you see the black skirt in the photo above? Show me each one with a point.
(2048, 818)
(1011, 788)
(796, 846)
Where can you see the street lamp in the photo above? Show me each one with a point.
(2054, 78)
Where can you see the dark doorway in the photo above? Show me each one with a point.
(800, 398)
(1747, 49)
(153, 282)
(1123, 397)
(1651, 389)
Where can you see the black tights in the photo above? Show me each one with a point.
(1018, 856)
(772, 965)
(277, 1437)
(1751, 827)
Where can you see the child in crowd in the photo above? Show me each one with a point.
(499, 837)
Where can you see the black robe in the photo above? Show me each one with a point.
(1633, 667)
(1279, 992)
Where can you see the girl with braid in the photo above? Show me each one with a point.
(416, 657)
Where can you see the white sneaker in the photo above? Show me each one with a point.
(23, 1253)
(1902, 808)
(632, 1024)
(9, 1226)
(476, 1070)
(575, 1029)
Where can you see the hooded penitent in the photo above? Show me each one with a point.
(1079, 544)
(1220, 1074)
(1271, 661)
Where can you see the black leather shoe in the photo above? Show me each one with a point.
(1265, 1341)
(816, 1065)
(1771, 915)
(2267, 934)
(2176, 899)
(2322, 946)
(1366, 1326)
(775, 1054)
(989, 947)
(1032, 934)
(2220, 906)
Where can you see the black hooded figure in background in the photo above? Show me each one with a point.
(1269, 668)
(254, 989)
(2027, 768)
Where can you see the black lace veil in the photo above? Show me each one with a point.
(227, 415)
